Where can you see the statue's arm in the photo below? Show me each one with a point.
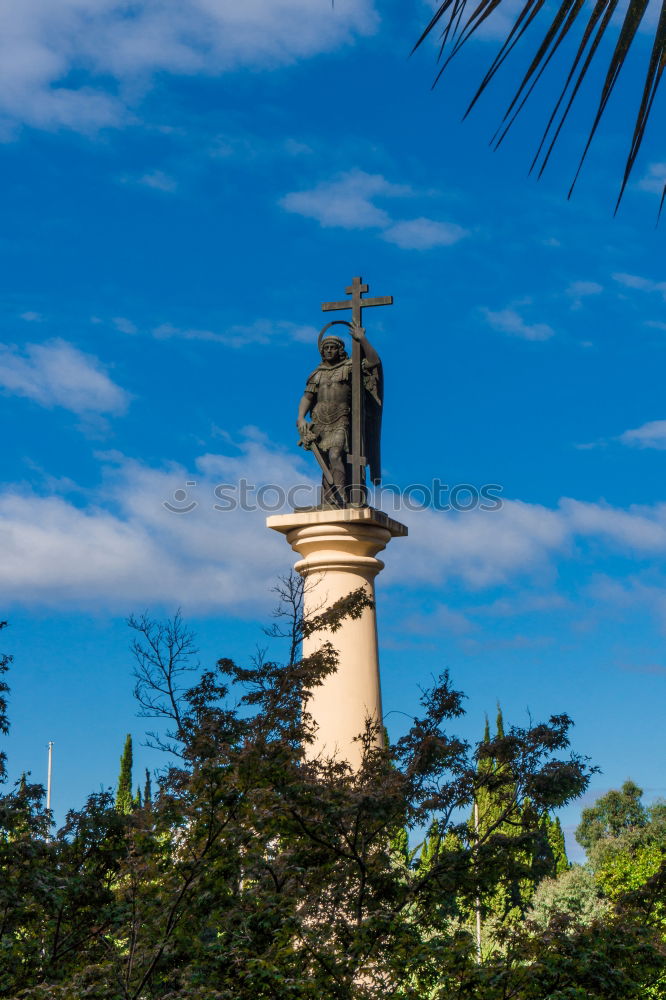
(304, 408)
(368, 351)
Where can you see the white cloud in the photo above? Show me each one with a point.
(44, 46)
(656, 669)
(641, 284)
(510, 321)
(632, 593)
(250, 147)
(32, 317)
(636, 530)
(649, 435)
(580, 290)
(124, 325)
(57, 374)
(527, 603)
(422, 234)
(590, 445)
(655, 178)
(348, 201)
(262, 331)
(124, 549)
(441, 619)
(518, 541)
(158, 180)
(481, 548)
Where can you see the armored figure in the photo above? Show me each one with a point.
(328, 400)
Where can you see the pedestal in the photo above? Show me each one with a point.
(338, 550)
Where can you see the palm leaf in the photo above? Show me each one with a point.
(458, 20)
(652, 81)
(599, 21)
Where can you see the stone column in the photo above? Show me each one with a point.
(338, 550)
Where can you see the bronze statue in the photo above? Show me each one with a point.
(344, 397)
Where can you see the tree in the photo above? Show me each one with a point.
(555, 837)
(259, 873)
(625, 842)
(612, 815)
(165, 657)
(590, 23)
(536, 837)
(623, 864)
(574, 893)
(626, 848)
(56, 893)
(147, 791)
(124, 800)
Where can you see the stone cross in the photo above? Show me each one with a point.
(357, 304)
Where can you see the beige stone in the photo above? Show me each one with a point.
(338, 550)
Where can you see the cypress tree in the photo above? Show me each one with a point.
(147, 791)
(124, 800)
(400, 846)
(489, 805)
(545, 858)
(557, 844)
(484, 765)
(430, 846)
(500, 723)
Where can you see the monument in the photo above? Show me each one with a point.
(338, 540)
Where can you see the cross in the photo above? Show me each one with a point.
(357, 304)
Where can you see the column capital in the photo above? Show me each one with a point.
(342, 540)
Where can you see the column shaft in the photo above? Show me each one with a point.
(338, 555)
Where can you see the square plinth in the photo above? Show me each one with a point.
(285, 523)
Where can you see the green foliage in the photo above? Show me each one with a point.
(147, 791)
(259, 874)
(124, 800)
(555, 836)
(535, 836)
(623, 864)
(657, 820)
(400, 847)
(499, 723)
(574, 894)
(431, 846)
(626, 845)
(611, 815)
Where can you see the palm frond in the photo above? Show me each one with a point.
(458, 20)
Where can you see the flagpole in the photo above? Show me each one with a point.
(50, 776)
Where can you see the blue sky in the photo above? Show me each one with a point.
(182, 185)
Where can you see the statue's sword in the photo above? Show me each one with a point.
(326, 472)
(328, 475)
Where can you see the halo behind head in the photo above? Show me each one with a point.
(323, 337)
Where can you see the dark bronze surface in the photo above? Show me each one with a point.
(344, 401)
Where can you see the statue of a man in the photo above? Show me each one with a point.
(328, 400)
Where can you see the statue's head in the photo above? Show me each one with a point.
(332, 350)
